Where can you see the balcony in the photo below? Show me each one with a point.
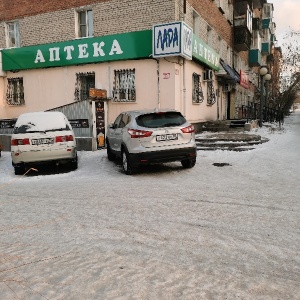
(273, 38)
(242, 38)
(265, 48)
(266, 23)
(267, 12)
(258, 3)
(256, 24)
(255, 58)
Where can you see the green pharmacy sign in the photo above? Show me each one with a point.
(131, 45)
(205, 54)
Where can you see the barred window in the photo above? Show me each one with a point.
(84, 81)
(211, 96)
(197, 89)
(15, 91)
(124, 86)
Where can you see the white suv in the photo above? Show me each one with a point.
(146, 137)
(41, 137)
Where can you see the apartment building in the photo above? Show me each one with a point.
(94, 59)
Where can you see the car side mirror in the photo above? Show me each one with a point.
(112, 125)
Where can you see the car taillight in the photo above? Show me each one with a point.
(64, 138)
(134, 133)
(188, 129)
(18, 142)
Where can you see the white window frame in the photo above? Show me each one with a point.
(220, 46)
(256, 40)
(229, 14)
(249, 18)
(12, 34)
(267, 12)
(228, 55)
(267, 35)
(196, 23)
(209, 36)
(88, 23)
(236, 61)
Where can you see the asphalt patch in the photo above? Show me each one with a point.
(221, 164)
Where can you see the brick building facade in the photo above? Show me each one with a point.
(173, 81)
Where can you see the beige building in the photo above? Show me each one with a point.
(157, 54)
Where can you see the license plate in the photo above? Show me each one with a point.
(166, 137)
(45, 141)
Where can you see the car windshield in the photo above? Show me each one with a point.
(40, 123)
(161, 119)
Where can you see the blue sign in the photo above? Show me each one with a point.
(172, 39)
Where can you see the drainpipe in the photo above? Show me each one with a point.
(184, 67)
(158, 82)
(233, 35)
(184, 88)
(233, 67)
(158, 85)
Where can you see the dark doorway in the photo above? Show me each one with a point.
(228, 105)
(84, 81)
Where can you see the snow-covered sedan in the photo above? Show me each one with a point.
(42, 137)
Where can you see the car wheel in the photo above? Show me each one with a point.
(74, 163)
(188, 163)
(110, 155)
(19, 169)
(127, 167)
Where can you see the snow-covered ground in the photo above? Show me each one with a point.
(209, 232)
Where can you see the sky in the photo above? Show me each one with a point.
(286, 15)
(209, 232)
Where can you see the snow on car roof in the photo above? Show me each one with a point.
(149, 111)
(42, 121)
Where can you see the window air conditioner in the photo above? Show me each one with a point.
(208, 75)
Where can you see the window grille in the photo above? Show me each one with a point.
(124, 86)
(198, 96)
(84, 81)
(15, 91)
(211, 96)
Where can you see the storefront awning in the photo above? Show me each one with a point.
(229, 74)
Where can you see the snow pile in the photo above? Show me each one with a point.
(226, 229)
